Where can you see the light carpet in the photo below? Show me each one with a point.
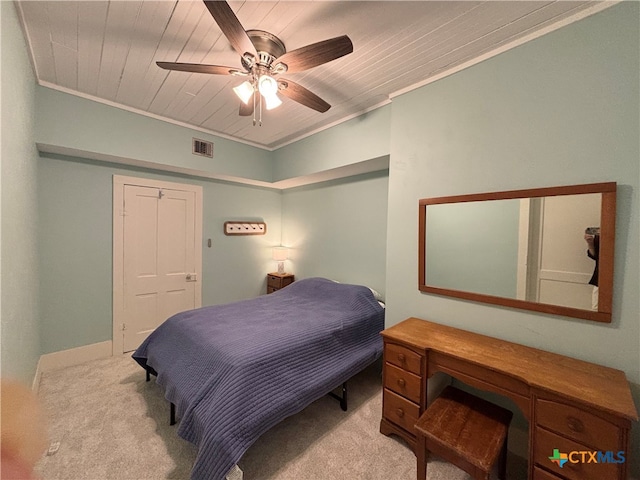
(112, 424)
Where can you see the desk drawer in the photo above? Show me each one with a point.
(400, 411)
(454, 366)
(400, 381)
(546, 442)
(403, 357)
(578, 425)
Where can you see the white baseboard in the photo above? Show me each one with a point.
(70, 357)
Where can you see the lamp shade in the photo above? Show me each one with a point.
(272, 101)
(280, 254)
(267, 85)
(244, 91)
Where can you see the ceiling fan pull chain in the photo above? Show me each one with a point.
(255, 92)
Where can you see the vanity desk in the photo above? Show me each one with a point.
(571, 405)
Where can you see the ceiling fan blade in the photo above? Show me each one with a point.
(231, 27)
(301, 95)
(197, 68)
(246, 110)
(315, 54)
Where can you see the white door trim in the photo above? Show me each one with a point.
(119, 181)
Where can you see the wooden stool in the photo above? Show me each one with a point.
(466, 431)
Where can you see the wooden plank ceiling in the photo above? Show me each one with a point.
(108, 50)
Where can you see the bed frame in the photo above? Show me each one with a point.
(172, 411)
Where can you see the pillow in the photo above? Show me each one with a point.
(376, 295)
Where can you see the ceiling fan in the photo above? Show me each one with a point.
(264, 58)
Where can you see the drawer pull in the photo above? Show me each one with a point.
(400, 412)
(575, 425)
(401, 382)
(401, 357)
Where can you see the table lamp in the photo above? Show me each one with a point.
(280, 254)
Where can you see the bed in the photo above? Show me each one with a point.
(233, 371)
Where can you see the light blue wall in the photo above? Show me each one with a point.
(338, 230)
(18, 254)
(363, 138)
(75, 230)
(235, 268)
(563, 109)
(69, 121)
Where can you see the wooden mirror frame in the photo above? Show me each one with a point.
(606, 252)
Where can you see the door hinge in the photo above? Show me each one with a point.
(124, 327)
(160, 194)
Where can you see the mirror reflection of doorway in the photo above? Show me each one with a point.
(554, 267)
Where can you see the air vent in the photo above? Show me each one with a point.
(201, 147)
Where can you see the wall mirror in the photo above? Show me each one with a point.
(523, 248)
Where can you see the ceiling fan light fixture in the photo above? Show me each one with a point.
(272, 101)
(244, 91)
(263, 55)
(267, 86)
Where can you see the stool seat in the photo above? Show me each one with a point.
(464, 430)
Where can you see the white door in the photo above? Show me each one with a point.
(563, 268)
(161, 253)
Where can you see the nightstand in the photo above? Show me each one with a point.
(276, 281)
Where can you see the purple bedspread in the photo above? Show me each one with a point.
(235, 370)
